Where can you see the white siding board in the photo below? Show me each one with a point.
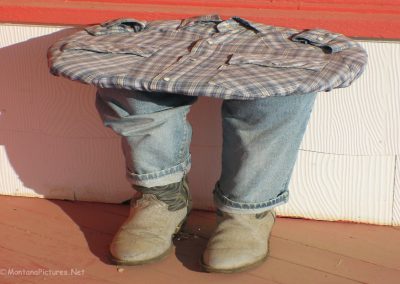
(86, 169)
(53, 144)
(13, 34)
(341, 187)
(206, 169)
(362, 119)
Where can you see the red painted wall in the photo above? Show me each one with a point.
(356, 18)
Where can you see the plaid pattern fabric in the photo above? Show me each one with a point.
(208, 56)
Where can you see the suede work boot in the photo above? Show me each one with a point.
(239, 242)
(155, 216)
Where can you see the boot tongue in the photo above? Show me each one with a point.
(174, 195)
(261, 215)
(143, 200)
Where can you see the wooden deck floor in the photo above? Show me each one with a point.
(53, 238)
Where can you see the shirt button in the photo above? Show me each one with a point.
(320, 38)
(166, 79)
(210, 41)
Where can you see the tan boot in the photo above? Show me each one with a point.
(155, 216)
(240, 242)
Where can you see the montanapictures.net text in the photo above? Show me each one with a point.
(42, 271)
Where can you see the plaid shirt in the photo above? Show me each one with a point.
(207, 56)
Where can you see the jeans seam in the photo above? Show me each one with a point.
(283, 197)
(171, 170)
(185, 138)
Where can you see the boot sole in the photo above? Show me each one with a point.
(252, 265)
(151, 260)
(140, 262)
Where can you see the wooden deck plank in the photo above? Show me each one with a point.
(14, 261)
(332, 263)
(56, 235)
(41, 206)
(87, 216)
(55, 230)
(378, 20)
(309, 257)
(285, 272)
(379, 245)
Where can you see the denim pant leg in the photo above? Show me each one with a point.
(260, 146)
(154, 130)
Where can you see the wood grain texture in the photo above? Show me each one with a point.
(354, 18)
(13, 34)
(347, 252)
(205, 172)
(58, 235)
(332, 263)
(341, 187)
(362, 119)
(53, 144)
(63, 168)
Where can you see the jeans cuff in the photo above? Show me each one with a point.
(227, 205)
(166, 176)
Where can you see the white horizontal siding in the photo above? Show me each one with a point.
(362, 119)
(53, 145)
(342, 187)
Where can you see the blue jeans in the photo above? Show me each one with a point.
(260, 143)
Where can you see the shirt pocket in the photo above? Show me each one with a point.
(111, 47)
(279, 61)
(326, 40)
(252, 76)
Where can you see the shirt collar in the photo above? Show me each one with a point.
(231, 24)
(205, 18)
